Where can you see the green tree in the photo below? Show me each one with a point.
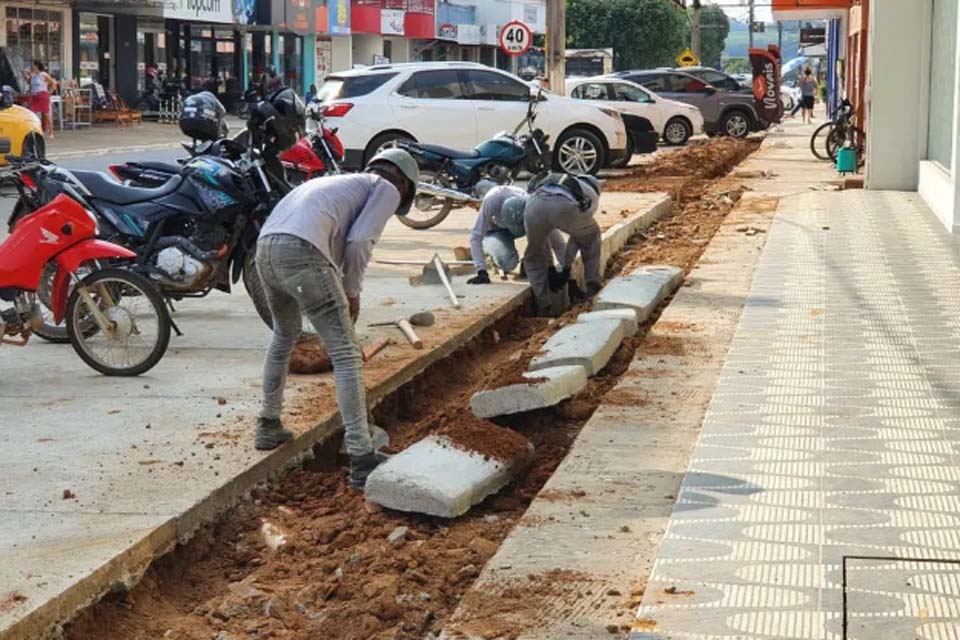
(642, 33)
(737, 65)
(714, 27)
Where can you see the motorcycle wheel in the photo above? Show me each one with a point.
(251, 281)
(428, 211)
(140, 328)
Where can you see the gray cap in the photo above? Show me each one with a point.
(408, 167)
(510, 216)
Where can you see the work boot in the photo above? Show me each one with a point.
(360, 468)
(577, 295)
(271, 434)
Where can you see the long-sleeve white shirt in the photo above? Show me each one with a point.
(342, 216)
(489, 208)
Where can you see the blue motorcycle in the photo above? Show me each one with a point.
(451, 177)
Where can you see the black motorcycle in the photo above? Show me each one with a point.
(194, 234)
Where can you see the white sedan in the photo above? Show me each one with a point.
(673, 120)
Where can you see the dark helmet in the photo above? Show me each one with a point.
(202, 117)
(280, 118)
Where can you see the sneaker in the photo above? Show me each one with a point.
(360, 469)
(271, 434)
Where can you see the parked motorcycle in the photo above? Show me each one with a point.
(318, 153)
(450, 177)
(116, 320)
(197, 231)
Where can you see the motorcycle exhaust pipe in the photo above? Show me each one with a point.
(424, 188)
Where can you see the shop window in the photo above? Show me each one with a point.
(34, 34)
(943, 48)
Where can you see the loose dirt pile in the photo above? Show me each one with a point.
(309, 355)
(342, 573)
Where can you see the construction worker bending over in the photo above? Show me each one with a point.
(498, 225)
(560, 201)
(311, 257)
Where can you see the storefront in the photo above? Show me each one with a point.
(389, 30)
(203, 47)
(35, 32)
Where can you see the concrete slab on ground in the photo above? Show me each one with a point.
(643, 290)
(152, 458)
(588, 344)
(627, 318)
(439, 478)
(546, 387)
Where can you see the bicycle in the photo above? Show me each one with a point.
(833, 134)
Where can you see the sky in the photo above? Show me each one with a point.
(737, 9)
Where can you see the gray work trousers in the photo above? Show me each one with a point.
(298, 279)
(544, 213)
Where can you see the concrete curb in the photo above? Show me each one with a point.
(560, 384)
(129, 566)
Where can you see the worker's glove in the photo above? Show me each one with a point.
(482, 277)
(556, 280)
(576, 293)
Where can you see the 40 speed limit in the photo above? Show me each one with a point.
(515, 38)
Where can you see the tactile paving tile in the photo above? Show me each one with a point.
(834, 431)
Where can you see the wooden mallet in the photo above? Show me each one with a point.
(422, 319)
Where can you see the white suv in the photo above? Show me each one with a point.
(459, 105)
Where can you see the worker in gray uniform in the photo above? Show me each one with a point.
(498, 225)
(568, 203)
(311, 256)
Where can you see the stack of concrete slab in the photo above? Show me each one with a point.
(438, 478)
(643, 290)
(541, 389)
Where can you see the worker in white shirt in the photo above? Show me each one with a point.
(565, 202)
(498, 225)
(311, 257)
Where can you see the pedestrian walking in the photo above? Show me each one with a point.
(568, 203)
(808, 91)
(498, 225)
(311, 256)
(42, 84)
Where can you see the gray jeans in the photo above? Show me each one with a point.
(544, 213)
(502, 248)
(297, 279)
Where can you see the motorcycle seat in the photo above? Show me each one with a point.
(103, 187)
(163, 167)
(455, 154)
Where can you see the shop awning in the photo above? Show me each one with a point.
(809, 9)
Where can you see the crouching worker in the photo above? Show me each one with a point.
(560, 201)
(499, 224)
(311, 257)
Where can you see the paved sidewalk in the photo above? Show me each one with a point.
(831, 440)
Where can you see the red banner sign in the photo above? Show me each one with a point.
(766, 83)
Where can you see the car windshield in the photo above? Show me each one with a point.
(339, 88)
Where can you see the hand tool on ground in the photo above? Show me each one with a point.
(437, 272)
(309, 355)
(376, 348)
(422, 319)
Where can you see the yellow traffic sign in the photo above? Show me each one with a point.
(687, 59)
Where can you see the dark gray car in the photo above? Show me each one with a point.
(725, 112)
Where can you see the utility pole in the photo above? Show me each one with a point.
(751, 23)
(779, 35)
(695, 29)
(556, 45)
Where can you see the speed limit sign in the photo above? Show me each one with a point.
(516, 38)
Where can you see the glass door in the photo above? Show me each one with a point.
(151, 49)
(96, 63)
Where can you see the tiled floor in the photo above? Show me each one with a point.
(834, 432)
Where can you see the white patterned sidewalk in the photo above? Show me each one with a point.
(825, 486)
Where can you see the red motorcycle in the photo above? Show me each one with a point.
(115, 318)
(319, 153)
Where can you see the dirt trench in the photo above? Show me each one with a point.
(339, 572)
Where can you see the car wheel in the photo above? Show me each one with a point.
(735, 124)
(579, 151)
(381, 142)
(677, 131)
(624, 160)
